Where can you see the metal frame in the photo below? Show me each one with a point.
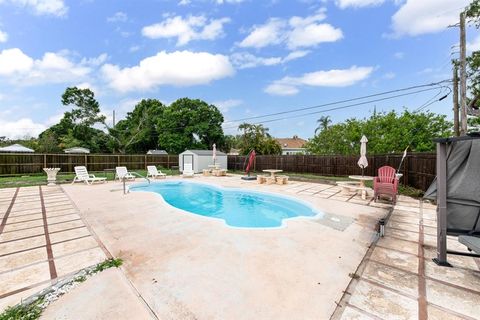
(442, 148)
(441, 258)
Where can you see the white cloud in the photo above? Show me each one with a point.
(265, 35)
(226, 105)
(280, 89)
(118, 17)
(95, 61)
(21, 128)
(331, 78)
(41, 7)
(184, 2)
(186, 29)
(179, 68)
(358, 3)
(297, 32)
(13, 61)
(427, 16)
(399, 55)
(474, 45)
(58, 67)
(3, 36)
(244, 60)
(88, 85)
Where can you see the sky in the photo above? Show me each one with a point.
(249, 58)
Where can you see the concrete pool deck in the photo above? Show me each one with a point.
(190, 267)
(183, 266)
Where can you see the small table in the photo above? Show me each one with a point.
(362, 183)
(272, 172)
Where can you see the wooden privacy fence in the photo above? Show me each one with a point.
(27, 163)
(418, 168)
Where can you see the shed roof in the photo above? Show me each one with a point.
(157, 152)
(77, 150)
(205, 152)
(16, 148)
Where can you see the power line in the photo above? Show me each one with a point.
(342, 101)
(341, 107)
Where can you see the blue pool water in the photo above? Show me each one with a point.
(238, 207)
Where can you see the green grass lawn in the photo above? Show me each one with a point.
(41, 179)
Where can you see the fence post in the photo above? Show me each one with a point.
(405, 171)
(45, 160)
(118, 160)
(145, 162)
(168, 161)
(86, 161)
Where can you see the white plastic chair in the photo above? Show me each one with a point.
(122, 172)
(81, 174)
(153, 172)
(188, 171)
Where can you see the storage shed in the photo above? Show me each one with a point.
(201, 159)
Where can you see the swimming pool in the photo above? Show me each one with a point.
(238, 207)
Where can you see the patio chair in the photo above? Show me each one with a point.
(122, 172)
(188, 171)
(81, 174)
(153, 172)
(385, 183)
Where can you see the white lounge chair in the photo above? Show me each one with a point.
(153, 172)
(187, 171)
(122, 172)
(81, 174)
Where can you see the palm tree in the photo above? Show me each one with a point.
(323, 123)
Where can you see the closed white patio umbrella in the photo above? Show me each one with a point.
(363, 162)
(214, 153)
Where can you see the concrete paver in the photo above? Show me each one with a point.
(37, 244)
(407, 271)
(107, 296)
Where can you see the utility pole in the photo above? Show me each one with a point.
(456, 125)
(463, 76)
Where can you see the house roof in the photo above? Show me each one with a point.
(76, 150)
(205, 152)
(16, 148)
(157, 152)
(288, 143)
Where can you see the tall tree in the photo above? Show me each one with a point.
(188, 124)
(256, 137)
(76, 127)
(323, 123)
(138, 132)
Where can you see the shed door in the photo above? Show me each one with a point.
(187, 160)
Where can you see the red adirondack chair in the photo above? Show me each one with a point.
(385, 183)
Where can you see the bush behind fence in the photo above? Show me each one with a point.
(418, 168)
